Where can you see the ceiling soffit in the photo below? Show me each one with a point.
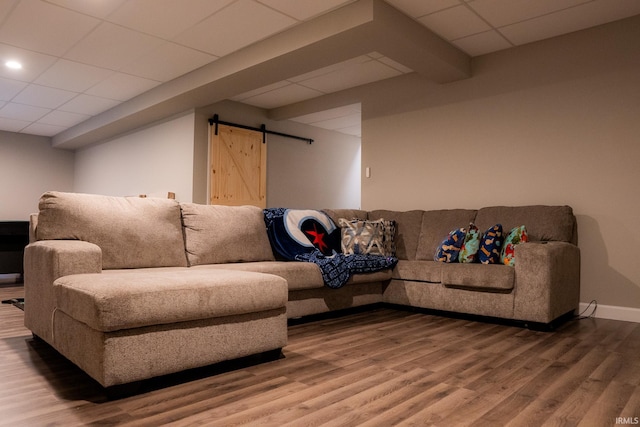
(353, 30)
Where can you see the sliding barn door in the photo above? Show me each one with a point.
(238, 167)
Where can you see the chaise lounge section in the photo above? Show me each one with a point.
(131, 288)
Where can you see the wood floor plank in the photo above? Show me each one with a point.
(573, 408)
(559, 390)
(435, 412)
(610, 405)
(631, 408)
(410, 406)
(382, 367)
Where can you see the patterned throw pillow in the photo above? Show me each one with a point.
(516, 236)
(367, 237)
(450, 247)
(491, 245)
(471, 245)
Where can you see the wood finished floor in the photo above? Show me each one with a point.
(379, 368)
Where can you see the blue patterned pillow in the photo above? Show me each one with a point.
(491, 245)
(471, 245)
(450, 247)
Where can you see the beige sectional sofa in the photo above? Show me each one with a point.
(133, 288)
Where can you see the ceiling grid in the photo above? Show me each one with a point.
(80, 60)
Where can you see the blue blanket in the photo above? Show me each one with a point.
(311, 236)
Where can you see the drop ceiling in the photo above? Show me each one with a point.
(90, 66)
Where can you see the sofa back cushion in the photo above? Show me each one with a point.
(436, 225)
(132, 232)
(544, 223)
(407, 230)
(216, 234)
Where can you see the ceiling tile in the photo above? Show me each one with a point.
(72, 76)
(33, 63)
(99, 8)
(236, 26)
(261, 90)
(455, 23)
(569, 20)
(395, 65)
(505, 12)
(5, 7)
(282, 96)
(304, 9)
(12, 125)
(87, 104)
(340, 122)
(63, 118)
(10, 88)
(329, 114)
(112, 46)
(121, 87)
(167, 62)
(30, 26)
(43, 129)
(43, 96)
(479, 44)
(332, 68)
(168, 18)
(419, 8)
(22, 112)
(355, 130)
(357, 75)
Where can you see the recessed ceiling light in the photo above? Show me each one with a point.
(14, 65)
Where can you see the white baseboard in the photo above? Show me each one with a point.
(612, 312)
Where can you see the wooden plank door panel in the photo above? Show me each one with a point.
(238, 167)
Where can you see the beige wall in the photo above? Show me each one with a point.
(153, 161)
(28, 168)
(556, 122)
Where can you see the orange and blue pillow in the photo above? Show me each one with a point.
(449, 249)
(491, 245)
(516, 236)
(471, 245)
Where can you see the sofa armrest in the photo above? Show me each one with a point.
(44, 262)
(547, 280)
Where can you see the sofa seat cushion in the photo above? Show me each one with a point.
(418, 271)
(479, 277)
(299, 275)
(377, 276)
(128, 299)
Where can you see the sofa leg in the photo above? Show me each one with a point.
(551, 326)
(121, 391)
(272, 355)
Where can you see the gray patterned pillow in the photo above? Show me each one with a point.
(368, 237)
